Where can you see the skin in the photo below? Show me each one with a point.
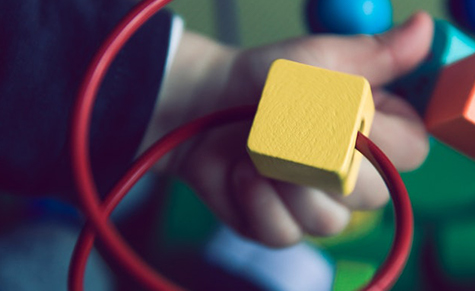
(216, 164)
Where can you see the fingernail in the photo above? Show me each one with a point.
(410, 21)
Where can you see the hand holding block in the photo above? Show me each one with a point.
(306, 124)
(448, 46)
(450, 116)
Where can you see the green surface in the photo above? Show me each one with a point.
(352, 275)
(198, 15)
(404, 8)
(455, 248)
(443, 187)
(185, 222)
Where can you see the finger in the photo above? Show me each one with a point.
(207, 175)
(382, 58)
(314, 210)
(399, 132)
(401, 49)
(370, 190)
(267, 218)
(207, 167)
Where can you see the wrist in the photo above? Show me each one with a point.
(195, 82)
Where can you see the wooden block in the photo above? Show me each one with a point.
(304, 131)
(448, 46)
(450, 116)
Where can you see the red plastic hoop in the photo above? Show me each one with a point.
(98, 213)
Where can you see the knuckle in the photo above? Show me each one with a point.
(285, 238)
(328, 224)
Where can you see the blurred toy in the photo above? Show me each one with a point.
(448, 46)
(450, 116)
(297, 268)
(440, 88)
(442, 83)
(349, 16)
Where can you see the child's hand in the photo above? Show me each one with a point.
(207, 77)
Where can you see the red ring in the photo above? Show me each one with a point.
(97, 213)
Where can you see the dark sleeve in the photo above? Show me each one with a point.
(46, 46)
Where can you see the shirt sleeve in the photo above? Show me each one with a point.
(46, 48)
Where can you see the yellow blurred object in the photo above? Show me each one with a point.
(361, 223)
(305, 128)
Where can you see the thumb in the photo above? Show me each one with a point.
(399, 50)
(380, 58)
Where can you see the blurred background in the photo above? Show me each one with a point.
(259, 22)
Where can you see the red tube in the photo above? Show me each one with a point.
(98, 213)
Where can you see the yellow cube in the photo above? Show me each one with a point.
(305, 128)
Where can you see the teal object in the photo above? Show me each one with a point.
(448, 46)
(184, 222)
(349, 16)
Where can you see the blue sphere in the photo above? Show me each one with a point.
(349, 16)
